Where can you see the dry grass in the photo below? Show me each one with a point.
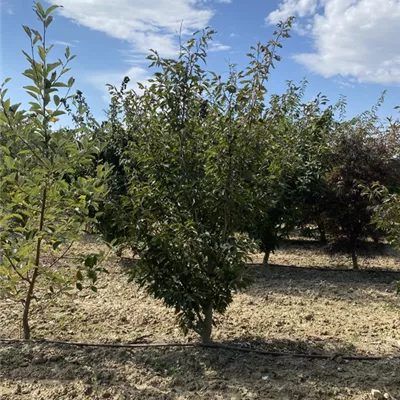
(297, 309)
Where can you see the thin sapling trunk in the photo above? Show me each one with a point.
(29, 295)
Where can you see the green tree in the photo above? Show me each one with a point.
(44, 201)
(195, 145)
(113, 223)
(297, 135)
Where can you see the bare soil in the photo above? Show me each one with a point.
(304, 302)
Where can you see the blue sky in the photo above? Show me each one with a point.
(347, 47)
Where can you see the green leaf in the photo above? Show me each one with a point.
(79, 285)
(50, 10)
(90, 261)
(48, 21)
(37, 33)
(42, 53)
(59, 84)
(35, 96)
(71, 81)
(9, 162)
(14, 107)
(5, 150)
(52, 66)
(3, 93)
(5, 81)
(57, 113)
(56, 244)
(37, 39)
(27, 30)
(40, 10)
(65, 70)
(6, 105)
(33, 89)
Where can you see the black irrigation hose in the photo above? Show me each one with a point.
(202, 345)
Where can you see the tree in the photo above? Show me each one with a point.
(361, 153)
(45, 199)
(113, 223)
(297, 134)
(195, 145)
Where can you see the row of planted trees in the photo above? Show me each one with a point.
(193, 173)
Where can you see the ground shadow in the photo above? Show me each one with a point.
(371, 256)
(367, 249)
(354, 285)
(195, 373)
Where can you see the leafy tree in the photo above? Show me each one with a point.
(361, 153)
(196, 143)
(113, 223)
(297, 134)
(44, 201)
(386, 214)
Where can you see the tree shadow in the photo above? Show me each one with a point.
(352, 285)
(367, 249)
(195, 373)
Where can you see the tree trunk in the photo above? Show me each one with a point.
(29, 295)
(266, 257)
(354, 258)
(207, 324)
(25, 316)
(322, 234)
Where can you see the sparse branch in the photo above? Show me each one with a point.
(24, 278)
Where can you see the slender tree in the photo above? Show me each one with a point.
(44, 199)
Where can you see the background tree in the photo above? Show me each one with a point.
(361, 153)
(113, 223)
(297, 135)
(387, 198)
(44, 201)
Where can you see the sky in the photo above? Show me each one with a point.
(342, 47)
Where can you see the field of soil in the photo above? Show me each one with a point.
(305, 302)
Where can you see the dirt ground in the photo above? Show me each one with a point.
(292, 306)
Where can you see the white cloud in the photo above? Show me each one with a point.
(143, 23)
(214, 1)
(130, 57)
(344, 84)
(8, 8)
(62, 43)
(217, 46)
(233, 35)
(287, 8)
(351, 38)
